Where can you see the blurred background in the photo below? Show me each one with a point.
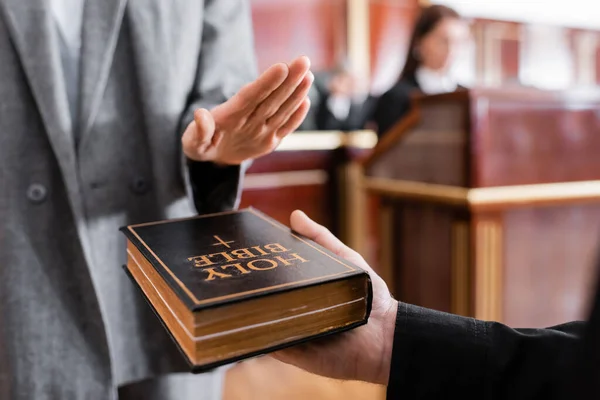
(550, 44)
(454, 143)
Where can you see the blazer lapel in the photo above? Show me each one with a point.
(101, 25)
(33, 32)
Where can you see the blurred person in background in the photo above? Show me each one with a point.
(436, 40)
(338, 103)
(114, 113)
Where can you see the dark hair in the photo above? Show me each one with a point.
(428, 20)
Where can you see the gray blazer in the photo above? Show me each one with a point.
(71, 324)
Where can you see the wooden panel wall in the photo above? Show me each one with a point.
(497, 47)
(284, 181)
(508, 53)
(509, 58)
(586, 45)
(285, 29)
(549, 266)
(537, 141)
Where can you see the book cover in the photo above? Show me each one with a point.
(217, 260)
(231, 256)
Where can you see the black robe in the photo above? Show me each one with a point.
(438, 356)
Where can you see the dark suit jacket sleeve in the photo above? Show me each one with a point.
(226, 62)
(438, 355)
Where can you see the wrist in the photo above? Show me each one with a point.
(217, 163)
(224, 162)
(220, 161)
(388, 330)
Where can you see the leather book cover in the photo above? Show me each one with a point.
(227, 257)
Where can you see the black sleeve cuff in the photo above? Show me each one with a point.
(436, 353)
(214, 188)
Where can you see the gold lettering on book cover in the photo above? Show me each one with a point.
(214, 264)
(289, 261)
(224, 254)
(243, 253)
(271, 264)
(212, 274)
(251, 259)
(221, 242)
(202, 261)
(261, 251)
(238, 267)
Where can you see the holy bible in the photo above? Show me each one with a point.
(238, 284)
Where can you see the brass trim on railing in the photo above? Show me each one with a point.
(535, 193)
(491, 197)
(327, 140)
(386, 256)
(270, 180)
(417, 190)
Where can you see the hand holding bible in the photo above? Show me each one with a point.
(363, 353)
(252, 122)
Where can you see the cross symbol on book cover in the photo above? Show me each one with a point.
(221, 242)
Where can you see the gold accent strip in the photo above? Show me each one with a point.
(543, 192)
(460, 269)
(358, 43)
(505, 196)
(488, 271)
(365, 139)
(307, 140)
(251, 210)
(353, 207)
(417, 190)
(327, 140)
(268, 180)
(386, 234)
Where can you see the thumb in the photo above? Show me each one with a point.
(198, 136)
(305, 226)
(302, 224)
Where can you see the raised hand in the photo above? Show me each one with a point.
(253, 122)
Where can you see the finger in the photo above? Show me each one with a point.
(251, 95)
(305, 226)
(205, 126)
(297, 70)
(295, 120)
(324, 356)
(198, 136)
(292, 103)
(301, 356)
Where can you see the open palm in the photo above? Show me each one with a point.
(253, 122)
